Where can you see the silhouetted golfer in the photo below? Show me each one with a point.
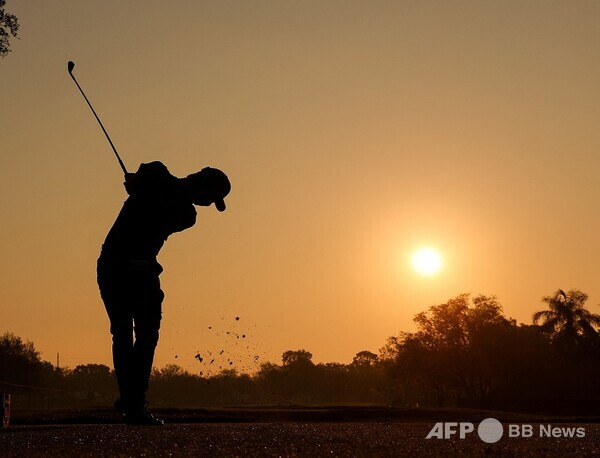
(159, 204)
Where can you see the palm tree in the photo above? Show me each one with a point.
(567, 321)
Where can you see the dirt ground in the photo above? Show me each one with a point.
(277, 439)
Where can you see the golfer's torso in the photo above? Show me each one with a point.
(144, 224)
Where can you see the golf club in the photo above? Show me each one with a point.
(70, 67)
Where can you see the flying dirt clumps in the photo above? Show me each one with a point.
(230, 353)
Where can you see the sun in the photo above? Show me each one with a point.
(427, 261)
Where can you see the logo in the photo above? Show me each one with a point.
(491, 431)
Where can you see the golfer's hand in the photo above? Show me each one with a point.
(129, 182)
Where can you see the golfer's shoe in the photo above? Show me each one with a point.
(121, 406)
(141, 417)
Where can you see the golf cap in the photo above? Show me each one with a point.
(217, 184)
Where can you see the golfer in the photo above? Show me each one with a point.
(158, 205)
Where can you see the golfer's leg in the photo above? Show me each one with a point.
(121, 328)
(147, 323)
(114, 291)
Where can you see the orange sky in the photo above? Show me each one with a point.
(353, 132)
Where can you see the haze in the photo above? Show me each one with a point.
(353, 133)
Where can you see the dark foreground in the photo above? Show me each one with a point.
(277, 439)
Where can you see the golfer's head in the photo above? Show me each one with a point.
(209, 186)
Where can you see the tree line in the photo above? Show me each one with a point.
(463, 353)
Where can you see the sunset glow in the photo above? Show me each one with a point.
(354, 134)
(427, 261)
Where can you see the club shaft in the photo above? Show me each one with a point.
(101, 125)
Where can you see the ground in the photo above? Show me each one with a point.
(277, 439)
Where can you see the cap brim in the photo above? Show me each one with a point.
(220, 204)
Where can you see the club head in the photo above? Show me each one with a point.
(70, 66)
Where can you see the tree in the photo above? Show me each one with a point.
(365, 358)
(172, 370)
(9, 25)
(298, 377)
(567, 321)
(451, 352)
(298, 357)
(96, 380)
(19, 361)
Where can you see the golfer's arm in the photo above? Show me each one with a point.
(149, 178)
(184, 218)
(129, 183)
